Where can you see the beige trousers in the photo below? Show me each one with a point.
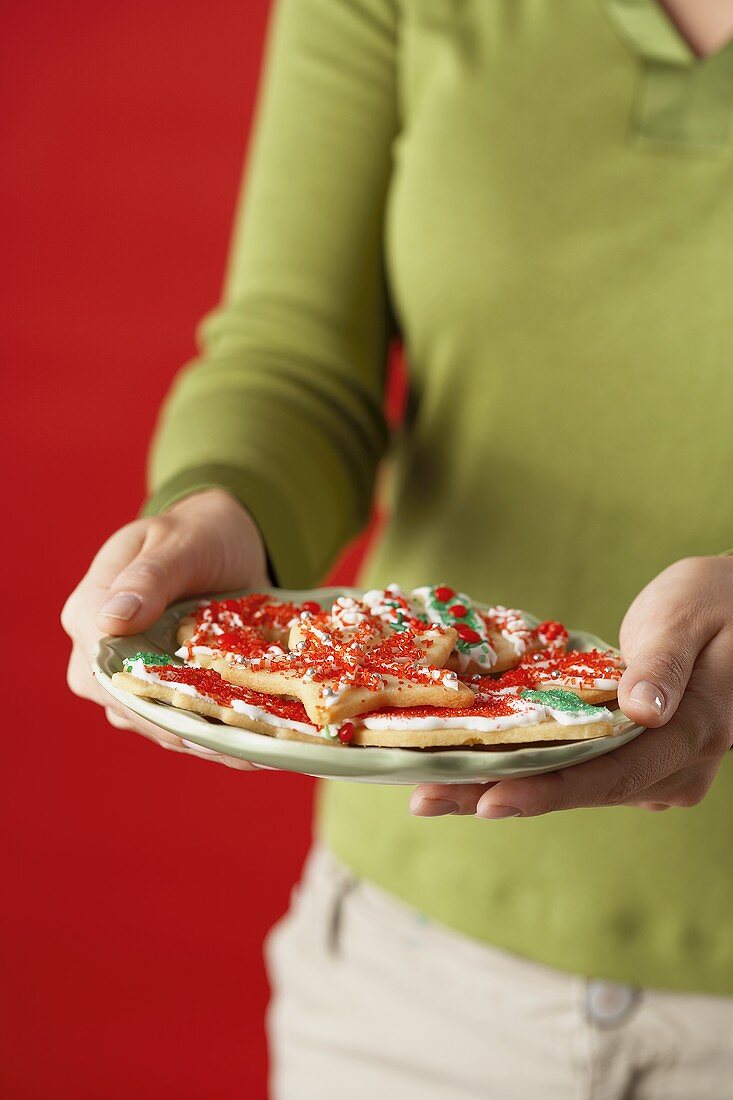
(371, 1001)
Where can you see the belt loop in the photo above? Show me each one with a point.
(342, 883)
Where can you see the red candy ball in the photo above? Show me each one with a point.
(466, 634)
(312, 606)
(551, 631)
(458, 610)
(443, 593)
(346, 733)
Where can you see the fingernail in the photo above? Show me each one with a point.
(496, 812)
(433, 807)
(650, 696)
(123, 605)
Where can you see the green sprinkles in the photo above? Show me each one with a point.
(470, 626)
(559, 699)
(147, 659)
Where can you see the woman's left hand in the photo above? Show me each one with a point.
(677, 641)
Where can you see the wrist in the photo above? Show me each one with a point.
(212, 499)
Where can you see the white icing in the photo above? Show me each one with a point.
(378, 602)
(232, 619)
(483, 655)
(257, 714)
(140, 672)
(579, 718)
(570, 680)
(477, 724)
(270, 719)
(348, 613)
(515, 630)
(188, 651)
(526, 713)
(330, 696)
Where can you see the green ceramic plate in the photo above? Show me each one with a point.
(366, 765)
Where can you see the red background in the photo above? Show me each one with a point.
(139, 883)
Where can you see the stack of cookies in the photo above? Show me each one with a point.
(429, 668)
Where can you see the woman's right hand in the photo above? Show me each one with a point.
(206, 542)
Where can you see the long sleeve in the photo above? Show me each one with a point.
(283, 406)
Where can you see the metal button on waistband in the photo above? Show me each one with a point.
(609, 1003)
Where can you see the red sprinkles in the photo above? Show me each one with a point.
(359, 660)
(220, 691)
(254, 629)
(584, 668)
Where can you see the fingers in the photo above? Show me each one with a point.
(663, 632)
(117, 552)
(168, 565)
(117, 720)
(238, 765)
(82, 683)
(618, 777)
(80, 680)
(607, 781)
(673, 765)
(610, 780)
(440, 799)
(123, 719)
(684, 789)
(657, 674)
(677, 640)
(78, 614)
(206, 542)
(211, 754)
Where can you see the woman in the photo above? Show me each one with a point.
(539, 197)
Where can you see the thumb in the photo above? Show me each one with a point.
(169, 564)
(660, 656)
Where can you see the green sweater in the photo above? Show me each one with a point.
(540, 192)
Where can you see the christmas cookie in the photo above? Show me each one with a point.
(506, 716)
(499, 717)
(203, 691)
(592, 674)
(337, 675)
(429, 668)
(246, 626)
(488, 640)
